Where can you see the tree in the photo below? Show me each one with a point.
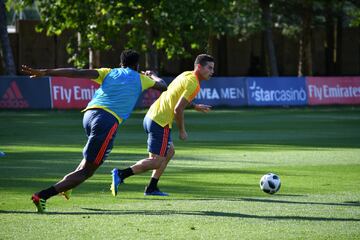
(150, 26)
(5, 43)
(338, 14)
(249, 17)
(305, 51)
(267, 23)
(331, 15)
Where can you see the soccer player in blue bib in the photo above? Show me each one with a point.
(110, 106)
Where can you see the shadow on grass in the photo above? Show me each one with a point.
(345, 204)
(348, 203)
(227, 199)
(95, 211)
(316, 127)
(34, 180)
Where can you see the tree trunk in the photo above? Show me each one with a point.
(300, 64)
(211, 45)
(151, 60)
(330, 39)
(270, 48)
(222, 56)
(5, 43)
(339, 42)
(91, 58)
(305, 56)
(151, 55)
(94, 58)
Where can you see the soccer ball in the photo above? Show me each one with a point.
(270, 183)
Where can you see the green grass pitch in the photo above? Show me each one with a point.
(213, 179)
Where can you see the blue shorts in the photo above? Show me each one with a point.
(159, 138)
(100, 127)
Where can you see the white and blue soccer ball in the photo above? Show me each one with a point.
(270, 183)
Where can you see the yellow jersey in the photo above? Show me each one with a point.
(162, 110)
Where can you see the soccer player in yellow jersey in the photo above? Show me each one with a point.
(158, 124)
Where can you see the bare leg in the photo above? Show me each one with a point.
(159, 171)
(154, 161)
(151, 188)
(84, 171)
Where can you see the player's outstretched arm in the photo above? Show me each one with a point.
(63, 72)
(179, 117)
(160, 84)
(201, 107)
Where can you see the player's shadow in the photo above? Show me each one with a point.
(348, 203)
(95, 211)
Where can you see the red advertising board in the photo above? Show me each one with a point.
(71, 93)
(333, 90)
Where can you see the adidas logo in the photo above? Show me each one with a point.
(13, 98)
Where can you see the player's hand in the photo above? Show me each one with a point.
(202, 108)
(148, 73)
(33, 72)
(183, 135)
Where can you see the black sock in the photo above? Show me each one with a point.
(152, 185)
(125, 173)
(48, 193)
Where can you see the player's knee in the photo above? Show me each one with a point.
(88, 173)
(157, 161)
(89, 169)
(170, 154)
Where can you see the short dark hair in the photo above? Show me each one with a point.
(129, 58)
(203, 59)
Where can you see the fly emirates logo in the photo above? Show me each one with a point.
(75, 93)
(325, 91)
(278, 95)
